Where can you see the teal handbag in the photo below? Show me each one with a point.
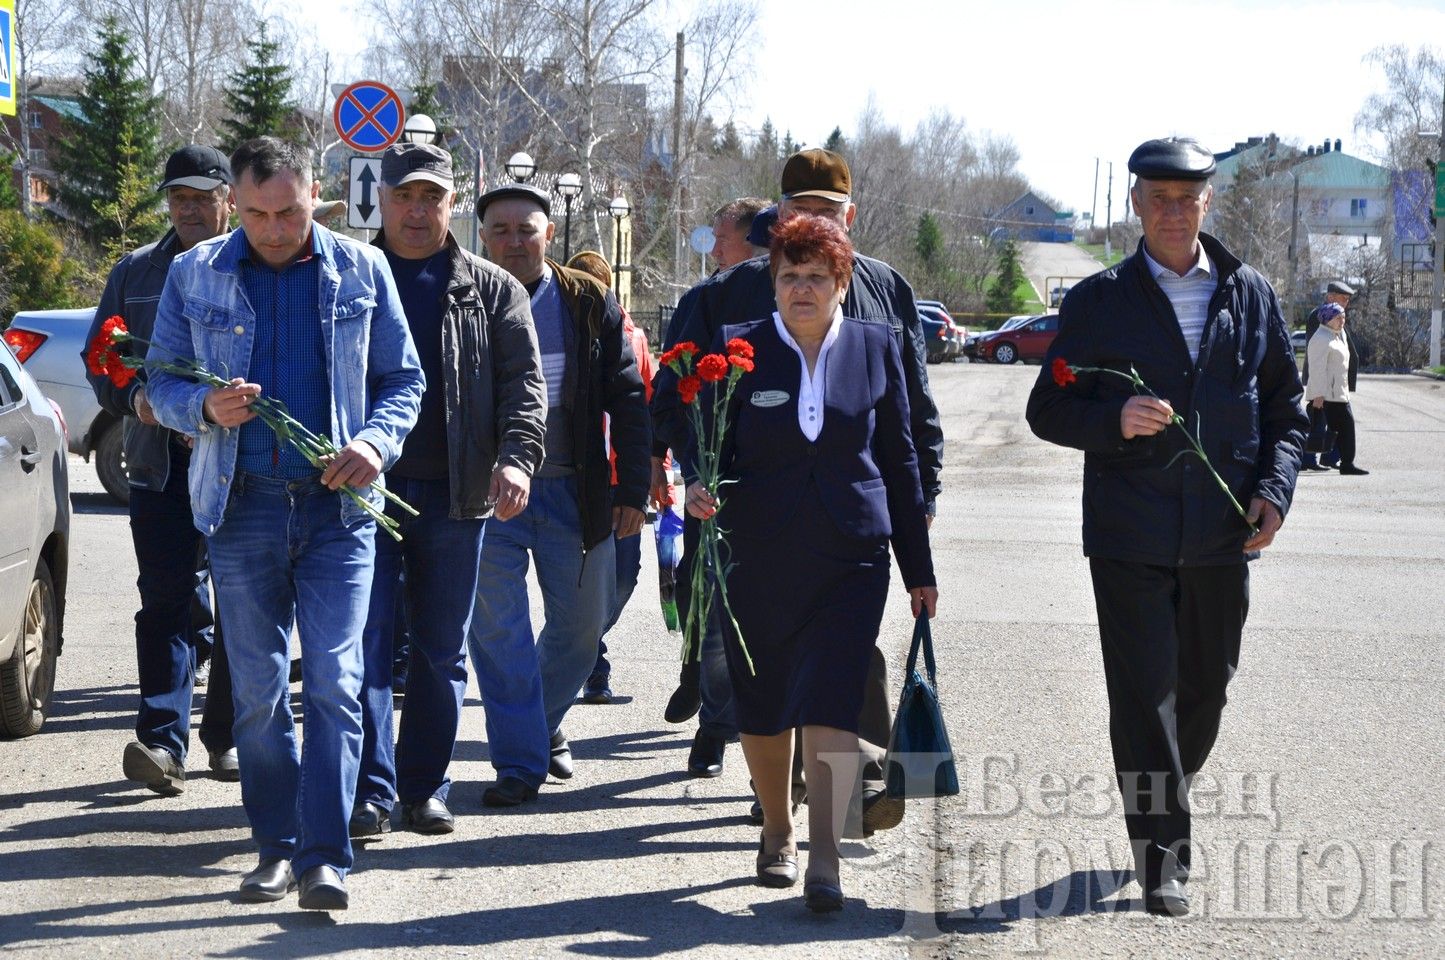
(920, 761)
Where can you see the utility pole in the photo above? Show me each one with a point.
(679, 256)
(1094, 197)
(1294, 253)
(1438, 287)
(1109, 217)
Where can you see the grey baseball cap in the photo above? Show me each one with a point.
(406, 162)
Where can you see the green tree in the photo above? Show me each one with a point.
(728, 142)
(835, 141)
(424, 100)
(1002, 296)
(34, 271)
(929, 243)
(9, 196)
(113, 99)
(258, 96)
(129, 221)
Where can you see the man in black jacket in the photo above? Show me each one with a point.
(817, 183)
(470, 457)
(1167, 549)
(571, 514)
(170, 552)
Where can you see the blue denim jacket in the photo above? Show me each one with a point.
(376, 379)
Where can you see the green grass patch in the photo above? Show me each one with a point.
(1025, 292)
(1096, 250)
(1438, 371)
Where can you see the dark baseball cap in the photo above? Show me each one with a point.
(1174, 158)
(817, 173)
(405, 162)
(522, 191)
(202, 168)
(760, 234)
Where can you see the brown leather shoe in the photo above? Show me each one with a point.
(776, 869)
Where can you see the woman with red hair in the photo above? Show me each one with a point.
(824, 476)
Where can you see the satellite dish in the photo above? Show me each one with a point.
(702, 240)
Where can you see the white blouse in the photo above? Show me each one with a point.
(811, 387)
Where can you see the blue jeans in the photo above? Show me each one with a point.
(629, 565)
(528, 686)
(283, 554)
(170, 560)
(440, 557)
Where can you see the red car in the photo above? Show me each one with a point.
(1028, 341)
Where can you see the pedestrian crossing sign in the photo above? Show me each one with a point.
(7, 57)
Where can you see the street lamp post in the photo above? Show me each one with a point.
(619, 208)
(521, 166)
(569, 185)
(419, 128)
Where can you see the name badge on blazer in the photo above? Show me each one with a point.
(770, 398)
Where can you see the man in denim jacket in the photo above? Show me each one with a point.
(287, 309)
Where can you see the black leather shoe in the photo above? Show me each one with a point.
(560, 765)
(1353, 471)
(706, 756)
(597, 689)
(776, 869)
(322, 889)
(155, 767)
(271, 880)
(822, 897)
(1167, 899)
(509, 792)
(368, 820)
(225, 766)
(429, 816)
(686, 700)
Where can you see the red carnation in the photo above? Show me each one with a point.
(713, 367)
(688, 387)
(738, 347)
(741, 362)
(682, 351)
(1063, 373)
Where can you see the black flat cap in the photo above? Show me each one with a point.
(1176, 158)
(1339, 286)
(524, 191)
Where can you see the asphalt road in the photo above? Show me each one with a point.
(1050, 265)
(1328, 762)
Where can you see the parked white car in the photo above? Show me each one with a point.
(34, 547)
(50, 343)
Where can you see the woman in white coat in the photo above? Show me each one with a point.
(1328, 388)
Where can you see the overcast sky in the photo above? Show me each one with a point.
(1067, 81)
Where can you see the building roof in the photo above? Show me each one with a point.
(1334, 170)
(65, 106)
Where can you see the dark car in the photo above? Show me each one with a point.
(938, 334)
(1028, 341)
(34, 547)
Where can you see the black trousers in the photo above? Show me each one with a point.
(1170, 639)
(1342, 421)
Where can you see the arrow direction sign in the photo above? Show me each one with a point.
(363, 212)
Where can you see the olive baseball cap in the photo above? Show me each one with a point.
(817, 173)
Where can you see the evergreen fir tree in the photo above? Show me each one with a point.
(113, 100)
(1002, 296)
(929, 243)
(258, 96)
(789, 145)
(424, 100)
(766, 148)
(835, 141)
(9, 196)
(728, 141)
(128, 220)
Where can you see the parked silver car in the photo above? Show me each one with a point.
(50, 344)
(34, 547)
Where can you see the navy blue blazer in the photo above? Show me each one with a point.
(863, 463)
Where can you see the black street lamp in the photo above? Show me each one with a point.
(569, 185)
(619, 208)
(520, 167)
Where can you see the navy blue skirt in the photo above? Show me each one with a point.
(808, 602)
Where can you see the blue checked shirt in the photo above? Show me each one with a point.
(288, 360)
